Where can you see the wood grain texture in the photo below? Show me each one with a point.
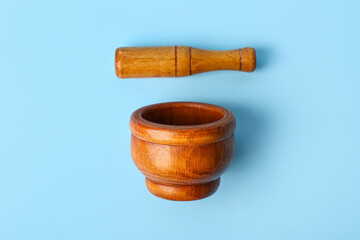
(179, 61)
(182, 148)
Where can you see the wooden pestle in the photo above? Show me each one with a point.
(179, 61)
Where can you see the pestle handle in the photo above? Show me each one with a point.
(179, 61)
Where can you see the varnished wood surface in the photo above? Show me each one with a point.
(182, 148)
(179, 61)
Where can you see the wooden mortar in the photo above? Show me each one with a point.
(182, 148)
(179, 61)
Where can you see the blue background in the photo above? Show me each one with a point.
(65, 165)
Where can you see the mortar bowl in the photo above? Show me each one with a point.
(182, 148)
